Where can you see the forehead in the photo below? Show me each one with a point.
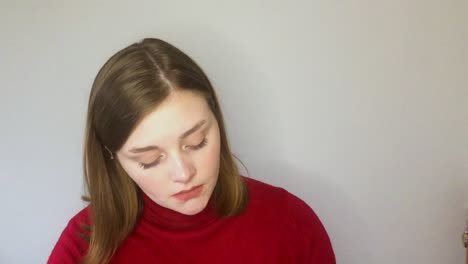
(176, 114)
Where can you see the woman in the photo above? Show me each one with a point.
(162, 183)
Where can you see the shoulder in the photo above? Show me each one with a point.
(265, 194)
(82, 217)
(305, 233)
(262, 190)
(79, 224)
(72, 243)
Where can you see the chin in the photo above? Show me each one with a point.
(194, 206)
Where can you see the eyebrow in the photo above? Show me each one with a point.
(184, 135)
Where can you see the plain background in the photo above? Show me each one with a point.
(358, 107)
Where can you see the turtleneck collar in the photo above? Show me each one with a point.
(169, 219)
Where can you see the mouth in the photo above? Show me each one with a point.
(189, 194)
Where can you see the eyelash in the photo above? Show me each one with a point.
(154, 163)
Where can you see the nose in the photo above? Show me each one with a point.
(181, 169)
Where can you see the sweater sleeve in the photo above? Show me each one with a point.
(71, 246)
(313, 244)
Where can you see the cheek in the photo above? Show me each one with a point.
(136, 174)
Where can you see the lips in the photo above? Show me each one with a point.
(189, 194)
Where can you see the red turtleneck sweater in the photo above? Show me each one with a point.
(276, 227)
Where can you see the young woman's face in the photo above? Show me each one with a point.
(175, 148)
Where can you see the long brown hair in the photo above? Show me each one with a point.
(128, 87)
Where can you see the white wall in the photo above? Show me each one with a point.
(359, 107)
